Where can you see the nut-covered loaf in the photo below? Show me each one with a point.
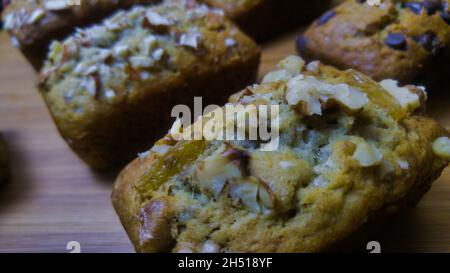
(4, 165)
(350, 149)
(111, 87)
(402, 40)
(34, 23)
(263, 19)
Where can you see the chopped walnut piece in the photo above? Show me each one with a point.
(293, 64)
(191, 39)
(156, 22)
(56, 4)
(441, 147)
(408, 99)
(227, 164)
(310, 95)
(367, 155)
(37, 15)
(156, 225)
(277, 75)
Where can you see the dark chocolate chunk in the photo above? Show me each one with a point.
(426, 41)
(432, 6)
(326, 17)
(430, 42)
(415, 7)
(361, 1)
(301, 44)
(437, 46)
(446, 17)
(396, 41)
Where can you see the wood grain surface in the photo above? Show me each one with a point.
(54, 198)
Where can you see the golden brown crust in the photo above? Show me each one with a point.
(125, 199)
(108, 119)
(335, 191)
(355, 35)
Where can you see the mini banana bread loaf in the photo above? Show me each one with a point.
(402, 40)
(349, 151)
(34, 23)
(263, 19)
(111, 87)
(4, 165)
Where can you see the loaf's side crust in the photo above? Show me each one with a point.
(124, 197)
(353, 35)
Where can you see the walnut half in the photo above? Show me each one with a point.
(155, 232)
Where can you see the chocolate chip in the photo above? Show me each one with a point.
(446, 17)
(437, 46)
(429, 42)
(301, 44)
(396, 41)
(426, 41)
(326, 17)
(415, 7)
(432, 6)
(361, 1)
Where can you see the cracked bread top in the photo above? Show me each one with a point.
(397, 39)
(348, 146)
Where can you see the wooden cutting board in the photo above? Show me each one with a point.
(54, 198)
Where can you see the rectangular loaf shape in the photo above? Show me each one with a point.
(110, 88)
(351, 153)
(403, 40)
(33, 24)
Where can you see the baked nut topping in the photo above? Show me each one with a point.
(407, 99)
(441, 147)
(313, 94)
(367, 155)
(156, 224)
(226, 165)
(109, 83)
(347, 148)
